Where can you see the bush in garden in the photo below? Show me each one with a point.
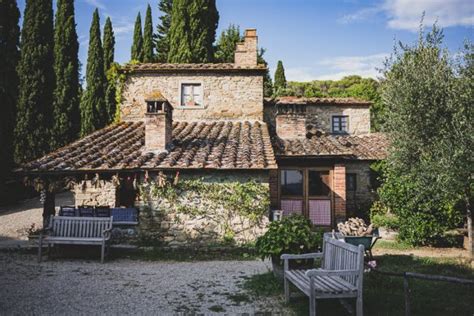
(381, 216)
(293, 234)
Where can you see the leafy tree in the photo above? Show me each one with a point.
(137, 46)
(280, 79)
(162, 37)
(9, 55)
(193, 31)
(93, 104)
(148, 53)
(36, 85)
(109, 52)
(431, 139)
(350, 86)
(66, 124)
(226, 44)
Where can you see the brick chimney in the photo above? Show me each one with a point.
(290, 121)
(246, 51)
(158, 123)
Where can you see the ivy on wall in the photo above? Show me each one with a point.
(219, 203)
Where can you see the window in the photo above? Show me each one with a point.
(191, 94)
(291, 182)
(351, 182)
(339, 123)
(318, 183)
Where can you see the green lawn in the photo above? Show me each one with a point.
(383, 295)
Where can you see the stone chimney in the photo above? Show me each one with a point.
(158, 123)
(246, 51)
(290, 121)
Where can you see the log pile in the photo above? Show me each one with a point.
(355, 227)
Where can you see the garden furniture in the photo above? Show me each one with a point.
(77, 231)
(340, 275)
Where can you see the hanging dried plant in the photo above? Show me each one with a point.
(116, 180)
(161, 179)
(176, 178)
(135, 184)
(95, 180)
(38, 184)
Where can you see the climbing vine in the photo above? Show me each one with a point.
(223, 204)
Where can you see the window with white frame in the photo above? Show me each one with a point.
(191, 94)
(340, 124)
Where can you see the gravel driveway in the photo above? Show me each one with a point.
(125, 286)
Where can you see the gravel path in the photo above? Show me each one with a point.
(67, 287)
(16, 219)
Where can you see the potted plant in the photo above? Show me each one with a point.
(293, 235)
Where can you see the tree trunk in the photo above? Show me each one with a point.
(48, 208)
(469, 227)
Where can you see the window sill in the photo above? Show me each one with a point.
(191, 107)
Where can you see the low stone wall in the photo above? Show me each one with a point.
(95, 193)
(188, 214)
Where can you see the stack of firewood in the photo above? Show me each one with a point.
(355, 227)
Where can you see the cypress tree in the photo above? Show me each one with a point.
(93, 108)
(9, 55)
(66, 124)
(193, 31)
(148, 52)
(36, 85)
(226, 44)
(280, 79)
(267, 80)
(109, 51)
(162, 37)
(137, 46)
(109, 44)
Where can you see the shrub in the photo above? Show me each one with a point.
(293, 234)
(423, 215)
(380, 216)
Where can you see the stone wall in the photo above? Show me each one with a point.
(172, 223)
(319, 116)
(101, 193)
(362, 198)
(225, 95)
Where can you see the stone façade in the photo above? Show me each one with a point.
(231, 95)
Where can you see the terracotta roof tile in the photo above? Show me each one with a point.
(212, 145)
(157, 67)
(361, 147)
(292, 100)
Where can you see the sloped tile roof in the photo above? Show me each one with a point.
(361, 147)
(292, 100)
(162, 67)
(195, 145)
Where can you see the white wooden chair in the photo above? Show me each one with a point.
(340, 275)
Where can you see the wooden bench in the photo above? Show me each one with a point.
(77, 231)
(340, 275)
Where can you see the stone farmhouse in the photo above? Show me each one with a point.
(211, 122)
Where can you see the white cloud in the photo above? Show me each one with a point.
(361, 15)
(335, 68)
(96, 3)
(406, 14)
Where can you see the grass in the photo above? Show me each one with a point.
(383, 295)
(393, 245)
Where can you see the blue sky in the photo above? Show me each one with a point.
(315, 39)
